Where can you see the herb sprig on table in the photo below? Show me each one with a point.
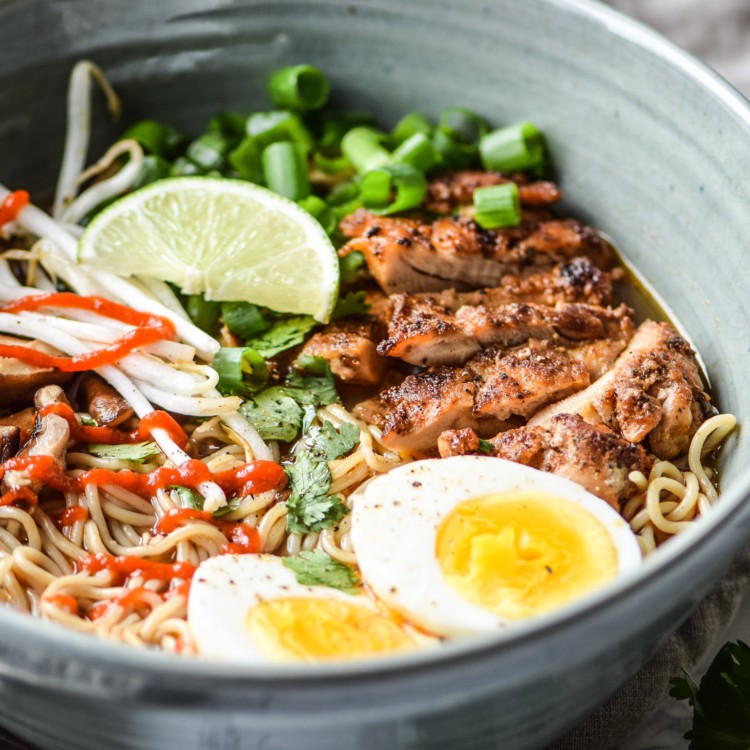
(721, 703)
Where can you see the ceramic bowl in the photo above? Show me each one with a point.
(649, 145)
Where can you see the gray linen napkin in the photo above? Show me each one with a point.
(697, 639)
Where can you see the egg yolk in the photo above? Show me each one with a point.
(316, 629)
(521, 554)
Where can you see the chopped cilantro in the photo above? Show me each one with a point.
(136, 452)
(355, 303)
(230, 507)
(330, 444)
(275, 415)
(316, 568)
(721, 705)
(283, 334)
(309, 506)
(188, 498)
(244, 319)
(311, 382)
(485, 446)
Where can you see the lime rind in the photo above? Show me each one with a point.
(229, 239)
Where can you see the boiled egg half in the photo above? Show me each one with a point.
(250, 609)
(471, 544)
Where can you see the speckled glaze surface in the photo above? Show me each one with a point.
(649, 146)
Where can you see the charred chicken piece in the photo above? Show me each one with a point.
(424, 333)
(349, 347)
(576, 281)
(590, 455)
(653, 394)
(408, 255)
(449, 191)
(486, 394)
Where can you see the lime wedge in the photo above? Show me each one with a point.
(231, 240)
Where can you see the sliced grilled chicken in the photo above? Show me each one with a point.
(449, 191)
(104, 403)
(653, 394)
(50, 438)
(567, 445)
(486, 394)
(578, 280)
(425, 333)
(414, 256)
(349, 347)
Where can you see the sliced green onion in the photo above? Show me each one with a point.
(157, 138)
(497, 206)
(454, 155)
(418, 151)
(300, 87)
(321, 211)
(331, 164)
(229, 124)
(270, 127)
(514, 148)
(204, 313)
(241, 370)
(331, 127)
(183, 167)
(393, 188)
(462, 125)
(410, 125)
(376, 189)
(364, 148)
(245, 159)
(285, 171)
(344, 192)
(244, 319)
(209, 151)
(153, 168)
(350, 266)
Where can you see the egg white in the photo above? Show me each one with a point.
(396, 517)
(227, 587)
(223, 591)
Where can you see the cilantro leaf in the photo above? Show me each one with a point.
(311, 382)
(309, 506)
(330, 444)
(230, 507)
(316, 568)
(275, 415)
(721, 704)
(355, 303)
(136, 452)
(244, 319)
(283, 334)
(188, 498)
